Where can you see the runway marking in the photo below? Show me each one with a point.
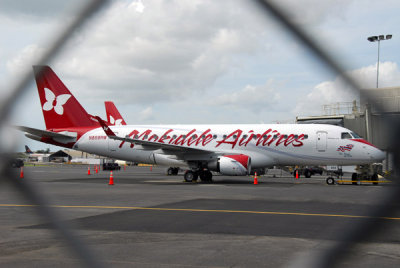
(213, 210)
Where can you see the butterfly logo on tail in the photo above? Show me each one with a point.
(60, 100)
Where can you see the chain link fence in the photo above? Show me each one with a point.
(331, 256)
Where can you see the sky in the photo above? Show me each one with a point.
(199, 61)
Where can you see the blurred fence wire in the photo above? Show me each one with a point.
(329, 257)
(333, 255)
(33, 195)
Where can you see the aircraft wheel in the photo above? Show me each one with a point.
(330, 181)
(307, 173)
(206, 176)
(354, 178)
(374, 178)
(190, 176)
(175, 171)
(170, 171)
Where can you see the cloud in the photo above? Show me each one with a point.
(251, 97)
(170, 50)
(311, 12)
(35, 9)
(24, 60)
(146, 114)
(329, 92)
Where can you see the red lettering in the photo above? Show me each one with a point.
(250, 137)
(289, 140)
(203, 136)
(132, 134)
(266, 137)
(234, 142)
(144, 134)
(192, 139)
(181, 139)
(274, 137)
(280, 140)
(207, 140)
(297, 142)
(154, 136)
(165, 136)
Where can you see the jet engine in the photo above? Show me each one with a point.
(233, 165)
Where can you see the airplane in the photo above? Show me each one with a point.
(34, 156)
(113, 115)
(230, 149)
(28, 150)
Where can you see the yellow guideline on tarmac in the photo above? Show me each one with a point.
(210, 210)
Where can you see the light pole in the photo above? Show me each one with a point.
(378, 38)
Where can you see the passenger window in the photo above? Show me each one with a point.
(346, 135)
(224, 136)
(306, 136)
(215, 136)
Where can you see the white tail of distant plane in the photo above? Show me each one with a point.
(228, 149)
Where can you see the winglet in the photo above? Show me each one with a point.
(106, 128)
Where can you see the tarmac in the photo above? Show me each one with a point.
(149, 219)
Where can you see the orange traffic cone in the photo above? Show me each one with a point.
(111, 182)
(88, 170)
(255, 178)
(151, 168)
(297, 174)
(97, 171)
(124, 167)
(21, 175)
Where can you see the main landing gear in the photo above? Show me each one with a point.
(193, 175)
(172, 171)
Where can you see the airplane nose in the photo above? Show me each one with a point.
(378, 155)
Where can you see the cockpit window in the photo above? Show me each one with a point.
(346, 135)
(355, 135)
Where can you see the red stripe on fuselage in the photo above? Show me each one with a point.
(364, 141)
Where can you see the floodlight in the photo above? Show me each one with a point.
(378, 38)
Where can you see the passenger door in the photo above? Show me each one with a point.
(321, 141)
(113, 144)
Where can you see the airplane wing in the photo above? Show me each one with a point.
(150, 144)
(38, 134)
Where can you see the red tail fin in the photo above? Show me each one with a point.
(113, 115)
(60, 108)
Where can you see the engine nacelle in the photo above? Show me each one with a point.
(233, 165)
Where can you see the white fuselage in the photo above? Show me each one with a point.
(267, 145)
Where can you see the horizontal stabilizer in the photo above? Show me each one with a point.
(38, 134)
